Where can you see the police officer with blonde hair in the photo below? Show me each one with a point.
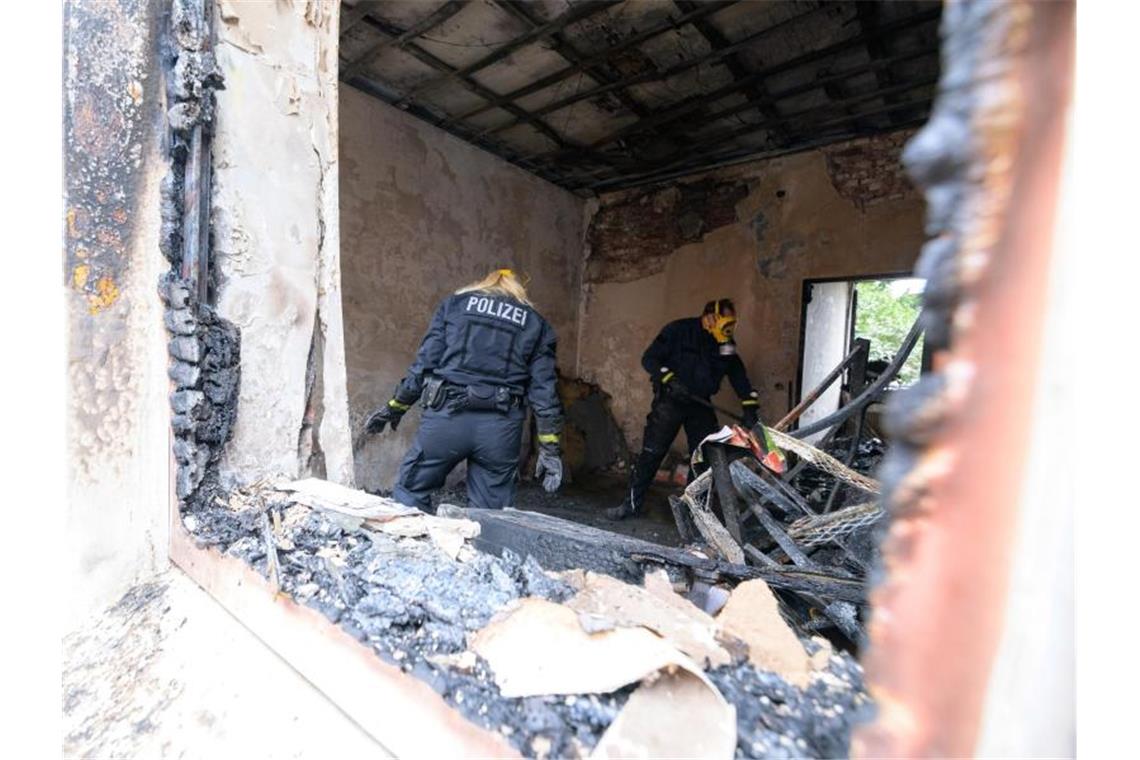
(487, 355)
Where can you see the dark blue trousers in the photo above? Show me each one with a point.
(488, 440)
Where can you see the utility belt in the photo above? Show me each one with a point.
(439, 393)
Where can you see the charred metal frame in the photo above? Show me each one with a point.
(612, 162)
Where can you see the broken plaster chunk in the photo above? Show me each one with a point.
(660, 717)
(539, 648)
(186, 348)
(182, 424)
(606, 602)
(185, 375)
(181, 322)
(752, 615)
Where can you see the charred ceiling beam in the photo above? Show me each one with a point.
(756, 93)
(659, 76)
(707, 9)
(566, 49)
(709, 158)
(391, 30)
(575, 14)
(350, 17)
(690, 105)
(398, 41)
(830, 81)
(869, 16)
(715, 142)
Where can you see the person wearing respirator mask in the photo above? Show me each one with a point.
(688, 359)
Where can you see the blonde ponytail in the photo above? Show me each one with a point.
(503, 282)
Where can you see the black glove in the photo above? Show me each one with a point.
(668, 383)
(549, 466)
(389, 414)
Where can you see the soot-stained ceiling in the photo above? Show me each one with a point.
(600, 95)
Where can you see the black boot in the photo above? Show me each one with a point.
(622, 511)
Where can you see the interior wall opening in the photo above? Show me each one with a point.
(870, 316)
(475, 136)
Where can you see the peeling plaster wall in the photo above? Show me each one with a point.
(422, 214)
(118, 419)
(761, 229)
(276, 237)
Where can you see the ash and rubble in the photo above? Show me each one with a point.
(414, 606)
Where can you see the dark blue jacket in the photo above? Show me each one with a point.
(689, 351)
(481, 338)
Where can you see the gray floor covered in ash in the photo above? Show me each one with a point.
(410, 603)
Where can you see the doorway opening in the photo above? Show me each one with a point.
(863, 321)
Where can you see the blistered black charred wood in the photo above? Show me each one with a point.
(204, 348)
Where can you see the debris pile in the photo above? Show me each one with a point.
(749, 509)
(569, 664)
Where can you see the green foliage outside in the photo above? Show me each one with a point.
(885, 318)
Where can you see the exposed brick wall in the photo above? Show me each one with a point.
(869, 170)
(633, 232)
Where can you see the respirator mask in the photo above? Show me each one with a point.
(722, 328)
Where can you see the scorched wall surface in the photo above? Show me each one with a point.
(422, 214)
(753, 233)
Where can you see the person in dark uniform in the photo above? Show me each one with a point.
(487, 354)
(687, 360)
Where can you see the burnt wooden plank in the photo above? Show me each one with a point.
(560, 544)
